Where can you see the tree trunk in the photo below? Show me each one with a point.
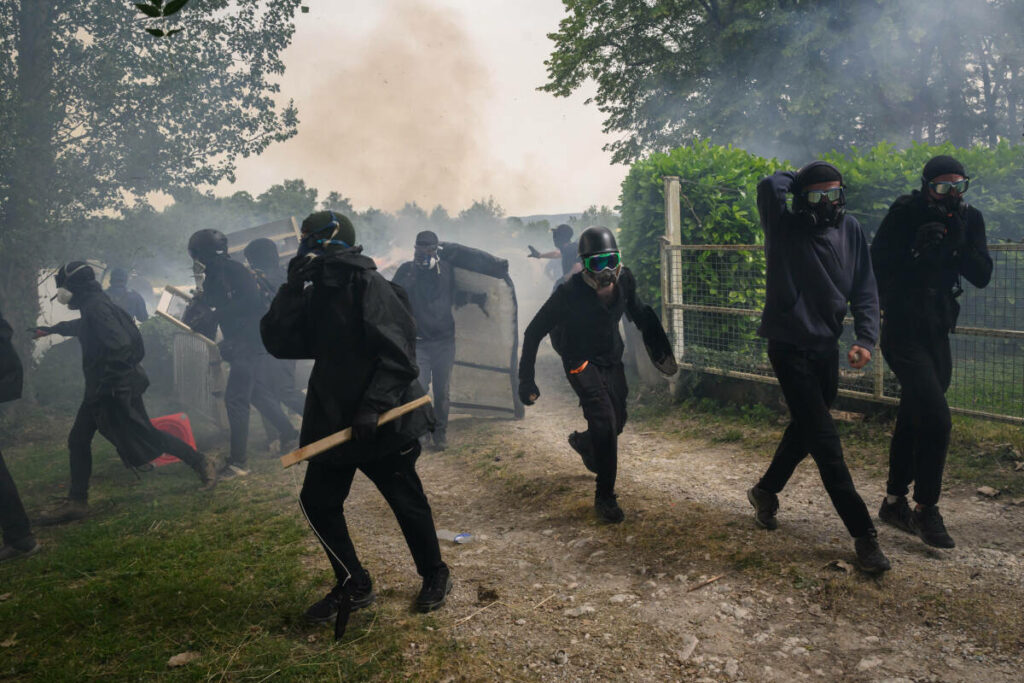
(29, 214)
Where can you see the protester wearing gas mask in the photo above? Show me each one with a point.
(128, 299)
(356, 326)
(112, 351)
(582, 316)
(429, 281)
(18, 540)
(263, 258)
(928, 241)
(818, 266)
(228, 296)
(565, 250)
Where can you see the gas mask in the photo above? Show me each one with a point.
(601, 270)
(426, 259)
(821, 208)
(64, 296)
(317, 242)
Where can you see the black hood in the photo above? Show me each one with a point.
(82, 292)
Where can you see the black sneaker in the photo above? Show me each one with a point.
(436, 588)
(930, 527)
(580, 443)
(361, 592)
(766, 504)
(870, 558)
(231, 471)
(897, 514)
(608, 509)
(68, 511)
(23, 548)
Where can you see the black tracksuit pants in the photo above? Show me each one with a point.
(810, 382)
(602, 392)
(435, 357)
(326, 487)
(249, 384)
(115, 425)
(13, 520)
(917, 453)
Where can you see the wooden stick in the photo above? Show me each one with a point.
(338, 438)
(705, 583)
(174, 321)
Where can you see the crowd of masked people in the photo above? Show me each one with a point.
(377, 345)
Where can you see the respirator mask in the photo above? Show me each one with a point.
(822, 208)
(317, 242)
(426, 258)
(64, 295)
(199, 274)
(601, 270)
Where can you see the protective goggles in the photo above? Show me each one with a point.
(944, 187)
(598, 262)
(815, 196)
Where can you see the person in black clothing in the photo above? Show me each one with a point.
(927, 241)
(18, 540)
(112, 351)
(582, 316)
(429, 282)
(817, 265)
(358, 329)
(565, 249)
(264, 260)
(230, 297)
(128, 299)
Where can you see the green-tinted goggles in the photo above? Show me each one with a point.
(599, 262)
(815, 196)
(944, 187)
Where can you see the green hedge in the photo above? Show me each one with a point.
(719, 200)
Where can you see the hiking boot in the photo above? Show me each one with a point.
(68, 511)
(870, 558)
(231, 471)
(608, 509)
(23, 548)
(930, 527)
(207, 472)
(766, 504)
(897, 514)
(436, 588)
(361, 592)
(580, 443)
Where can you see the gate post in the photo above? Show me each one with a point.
(671, 267)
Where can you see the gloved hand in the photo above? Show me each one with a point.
(528, 391)
(40, 332)
(928, 237)
(533, 252)
(303, 269)
(364, 426)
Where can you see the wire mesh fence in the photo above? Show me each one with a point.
(713, 296)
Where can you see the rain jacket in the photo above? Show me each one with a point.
(231, 291)
(357, 328)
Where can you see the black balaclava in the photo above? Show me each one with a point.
(561, 235)
(824, 214)
(939, 166)
(326, 230)
(73, 279)
(425, 250)
(262, 254)
(119, 278)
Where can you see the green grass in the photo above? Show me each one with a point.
(161, 568)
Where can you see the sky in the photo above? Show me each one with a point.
(435, 101)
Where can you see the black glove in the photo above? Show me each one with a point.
(364, 426)
(528, 391)
(533, 252)
(928, 237)
(303, 269)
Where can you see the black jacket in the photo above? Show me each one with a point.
(432, 294)
(10, 365)
(231, 292)
(813, 275)
(358, 329)
(129, 300)
(917, 291)
(581, 327)
(111, 344)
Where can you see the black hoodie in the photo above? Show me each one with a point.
(358, 329)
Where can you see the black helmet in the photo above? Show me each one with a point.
(73, 274)
(206, 245)
(597, 239)
(327, 227)
(262, 254)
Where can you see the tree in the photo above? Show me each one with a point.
(791, 77)
(482, 212)
(95, 114)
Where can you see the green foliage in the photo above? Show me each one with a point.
(791, 78)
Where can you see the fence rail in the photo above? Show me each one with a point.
(713, 294)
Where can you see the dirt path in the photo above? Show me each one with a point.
(624, 602)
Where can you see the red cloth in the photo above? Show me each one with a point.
(176, 425)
